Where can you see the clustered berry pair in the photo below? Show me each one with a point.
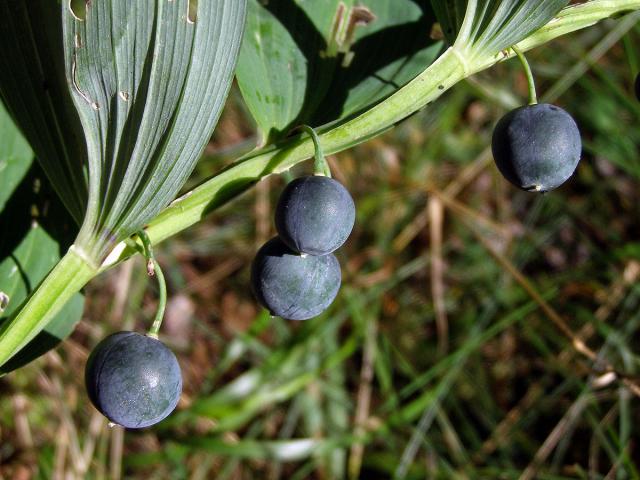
(295, 274)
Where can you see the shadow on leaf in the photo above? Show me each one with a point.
(40, 232)
(369, 61)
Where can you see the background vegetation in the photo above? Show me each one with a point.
(436, 360)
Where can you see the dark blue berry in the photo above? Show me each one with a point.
(315, 215)
(537, 147)
(133, 380)
(293, 286)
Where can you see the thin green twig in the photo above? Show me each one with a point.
(153, 268)
(320, 165)
(533, 96)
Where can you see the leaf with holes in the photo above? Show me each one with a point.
(149, 80)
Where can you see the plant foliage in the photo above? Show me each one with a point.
(35, 230)
(118, 100)
(34, 90)
(484, 27)
(149, 80)
(322, 61)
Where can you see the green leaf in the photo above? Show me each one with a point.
(149, 80)
(386, 54)
(15, 157)
(277, 61)
(40, 229)
(20, 272)
(34, 89)
(313, 62)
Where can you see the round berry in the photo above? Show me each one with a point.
(293, 286)
(133, 380)
(537, 147)
(315, 215)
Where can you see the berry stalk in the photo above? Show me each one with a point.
(533, 96)
(320, 165)
(153, 268)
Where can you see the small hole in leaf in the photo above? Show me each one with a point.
(4, 301)
(78, 9)
(192, 14)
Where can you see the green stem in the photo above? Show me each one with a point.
(162, 302)
(533, 97)
(71, 273)
(320, 165)
(450, 68)
(153, 268)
